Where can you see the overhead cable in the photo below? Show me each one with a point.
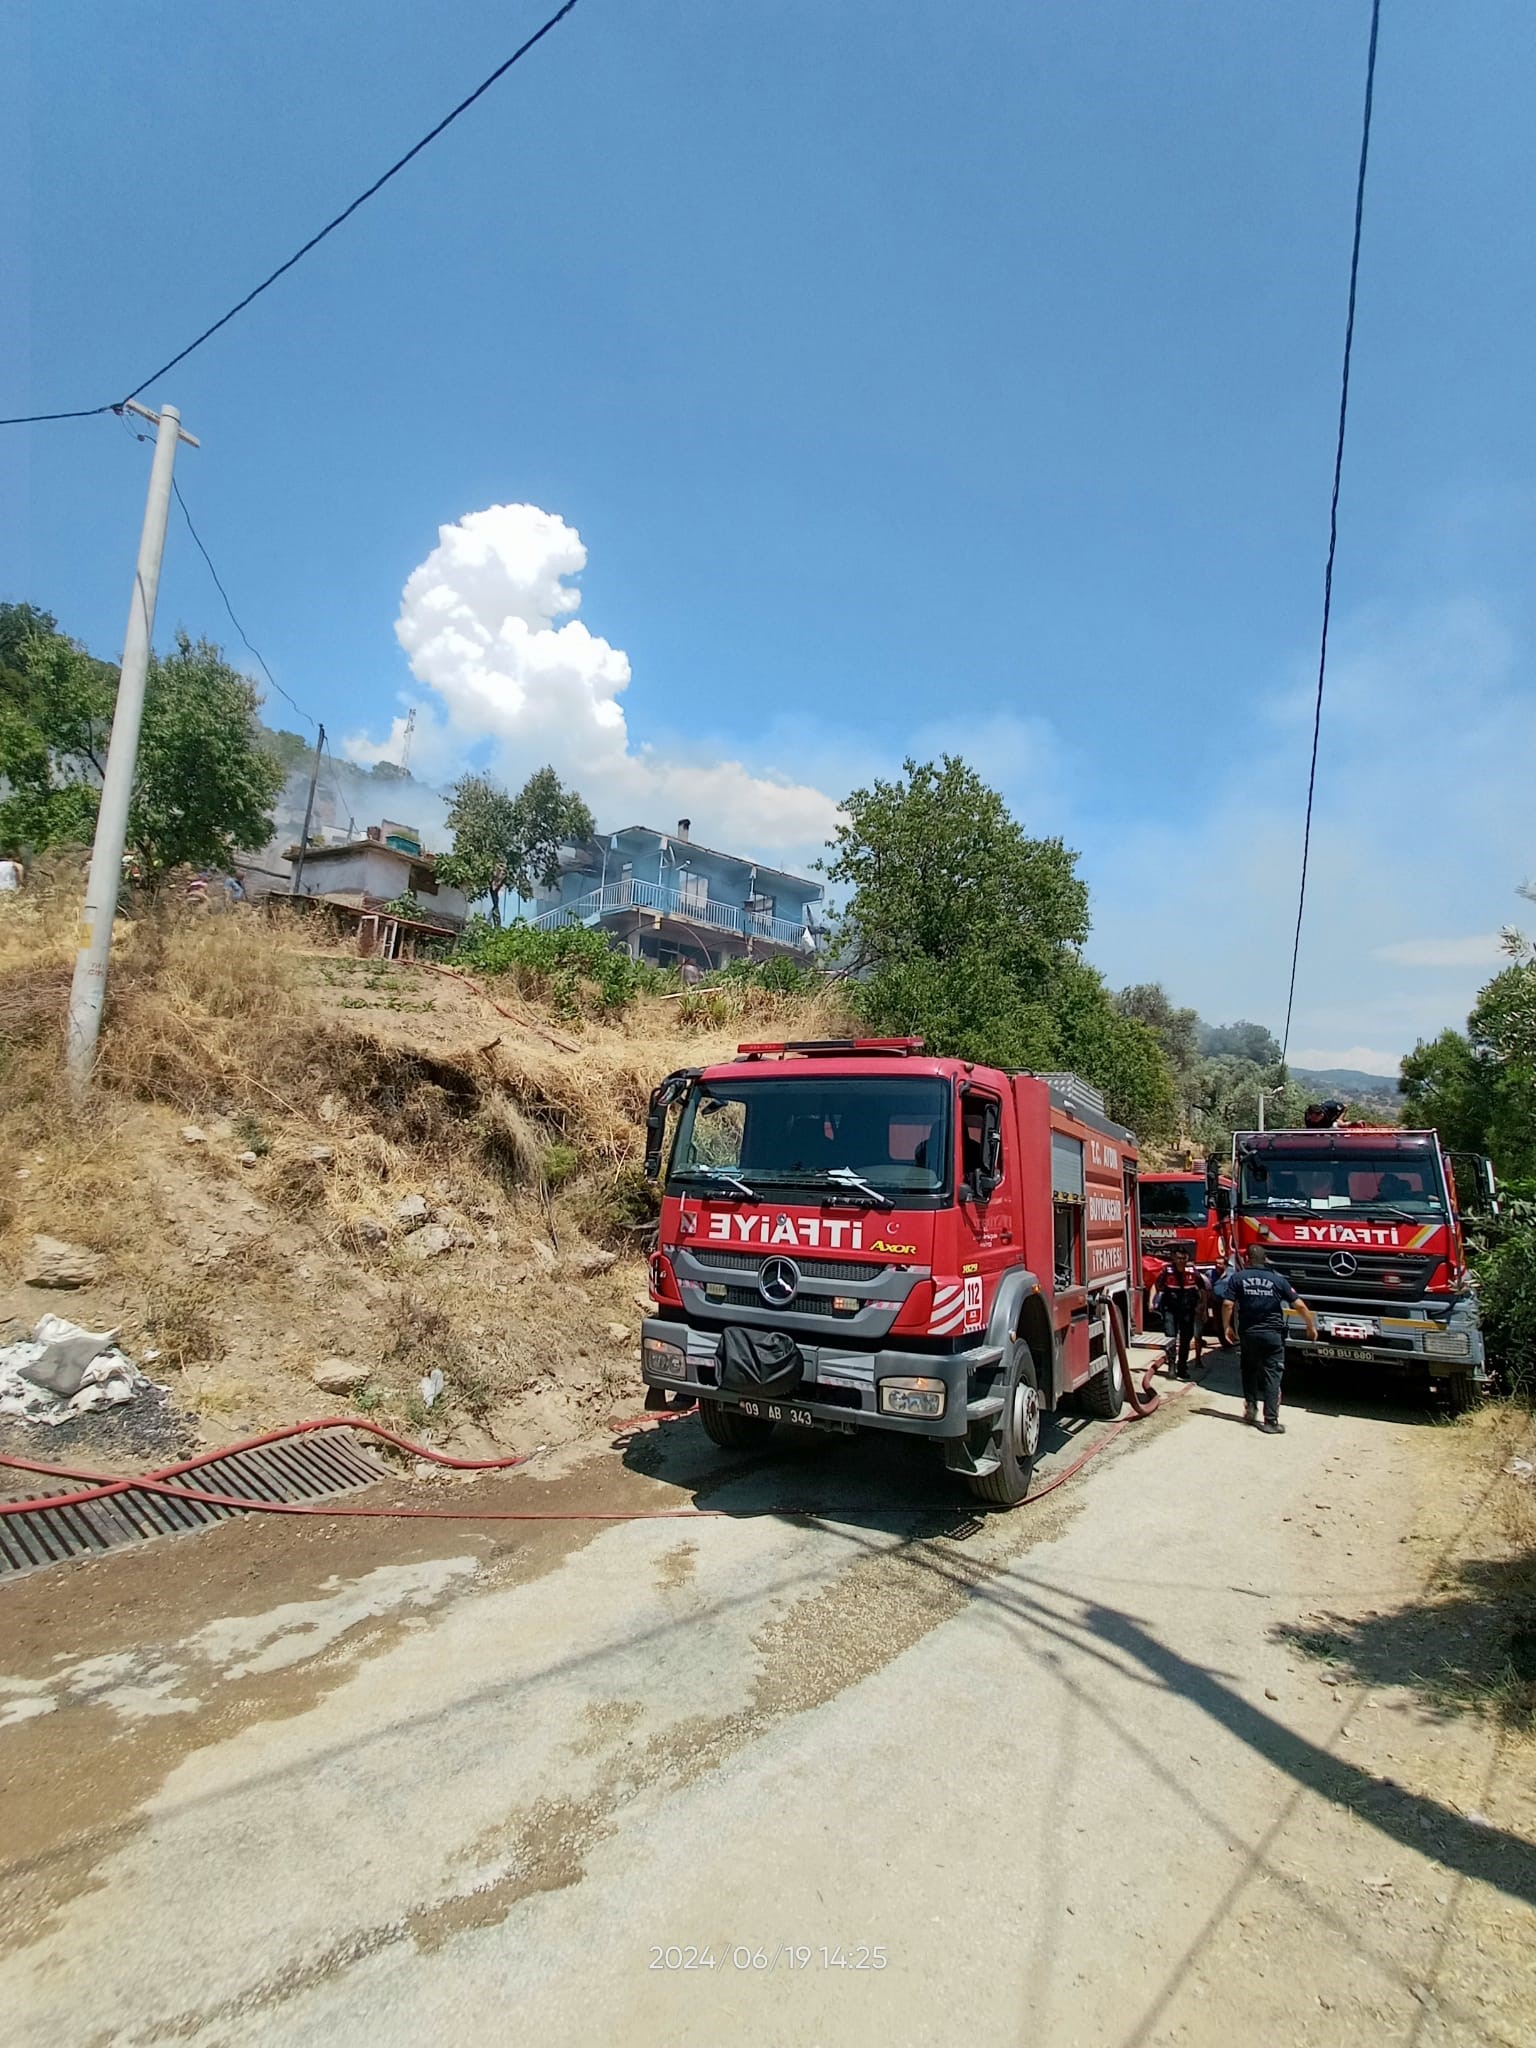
(91, 411)
(1333, 518)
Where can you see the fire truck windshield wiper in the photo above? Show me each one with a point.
(723, 1178)
(845, 1177)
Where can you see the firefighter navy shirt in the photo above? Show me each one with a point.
(1260, 1295)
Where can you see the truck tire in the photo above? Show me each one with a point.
(1016, 1440)
(1460, 1392)
(1104, 1395)
(732, 1430)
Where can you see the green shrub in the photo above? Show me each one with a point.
(622, 1208)
(783, 975)
(572, 968)
(1506, 1261)
(560, 1163)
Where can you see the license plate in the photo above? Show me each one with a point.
(789, 1411)
(1335, 1350)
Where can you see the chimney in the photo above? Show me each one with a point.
(683, 825)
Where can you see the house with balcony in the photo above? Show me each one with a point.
(667, 899)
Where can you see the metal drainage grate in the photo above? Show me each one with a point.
(302, 1468)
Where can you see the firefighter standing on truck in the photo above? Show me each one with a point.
(1257, 1302)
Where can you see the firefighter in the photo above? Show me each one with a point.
(1257, 1304)
(1180, 1300)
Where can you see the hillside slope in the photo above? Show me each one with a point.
(295, 1156)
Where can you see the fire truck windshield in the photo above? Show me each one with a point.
(1174, 1201)
(890, 1132)
(1409, 1185)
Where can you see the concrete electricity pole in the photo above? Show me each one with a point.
(89, 989)
(309, 812)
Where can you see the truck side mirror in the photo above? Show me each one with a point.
(986, 1176)
(655, 1133)
(1223, 1205)
(663, 1096)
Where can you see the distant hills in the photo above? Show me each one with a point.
(1349, 1081)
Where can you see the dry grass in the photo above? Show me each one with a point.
(524, 1134)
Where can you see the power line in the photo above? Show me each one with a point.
(90, 411)
(223, 593)
(218, 584)
(1333, 514)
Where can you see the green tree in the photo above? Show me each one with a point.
(1122, 1055)
(204, 781)
(55, 713)
(1176, 1031)
(483, 821)
(1241, 1041)
(205, 784)
(290, 750)
(938, 867)
(965, 930)
(510, 844)
(548, 817)
(1477, 1088)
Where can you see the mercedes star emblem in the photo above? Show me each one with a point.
(1343, 1263)
(778, 1282)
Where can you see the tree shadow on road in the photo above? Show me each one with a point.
(1473, 1646)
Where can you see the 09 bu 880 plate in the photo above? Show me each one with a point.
(788, 1411)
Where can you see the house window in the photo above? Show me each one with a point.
(693, 890)
(761, 905)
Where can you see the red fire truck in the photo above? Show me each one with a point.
(1364, 1222)
(1191, 1208)
(855, 1235)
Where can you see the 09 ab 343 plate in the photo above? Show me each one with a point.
(791, 1412)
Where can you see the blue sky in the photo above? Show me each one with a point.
(953, 374)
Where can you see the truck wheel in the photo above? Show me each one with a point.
(732, 1430)
(1459, 1390)
(1104, 1395)
(1016, 1440)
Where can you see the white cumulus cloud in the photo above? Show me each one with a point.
(487, 621)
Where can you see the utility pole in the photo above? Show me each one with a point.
(309, 812)
(88, 991)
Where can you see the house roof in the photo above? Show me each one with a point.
(737, 859)
(351, 846)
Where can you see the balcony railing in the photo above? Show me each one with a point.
(618, 897)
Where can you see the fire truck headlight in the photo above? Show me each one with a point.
(666, 1361)
(1448, 1344)
(912, 1397)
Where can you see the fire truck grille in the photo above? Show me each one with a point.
(811, 1269)
(803, 1304)
(1395, 1276)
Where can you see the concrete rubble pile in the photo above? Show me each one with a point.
(62, 1372)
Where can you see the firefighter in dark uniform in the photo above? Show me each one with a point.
(1257, 1302)
(1180, 1301)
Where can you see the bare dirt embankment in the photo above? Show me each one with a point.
(295, 1156)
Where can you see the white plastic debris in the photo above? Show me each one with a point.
(432, 1386)
(1520, 1468)
(62, 1371)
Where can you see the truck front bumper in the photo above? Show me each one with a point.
(1411, 1347)
(840, 1388)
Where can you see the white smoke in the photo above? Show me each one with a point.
(478, 621)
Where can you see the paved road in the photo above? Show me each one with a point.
(1059, 1780)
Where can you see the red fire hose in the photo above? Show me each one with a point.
(97, 1486)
